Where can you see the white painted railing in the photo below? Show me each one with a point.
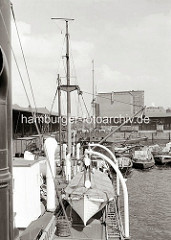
(123, 184)
(114, 159)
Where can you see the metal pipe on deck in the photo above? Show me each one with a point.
(64, 151)
(68, 167)
(78, 151)
(73, 150)
(50, 146)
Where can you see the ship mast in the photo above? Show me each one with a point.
(93, 92)
(68, 87)
(68, 92)
(93, 97)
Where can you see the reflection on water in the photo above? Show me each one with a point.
(150, 203)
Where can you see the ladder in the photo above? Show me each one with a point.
(112, 224)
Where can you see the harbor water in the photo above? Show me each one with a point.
(150, 203)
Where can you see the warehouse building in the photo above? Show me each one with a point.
(116, 104)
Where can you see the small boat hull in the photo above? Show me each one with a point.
(125, 169)
(162, 159)
(143, 159)
(86, 208)
(86, 202)
(143, 164)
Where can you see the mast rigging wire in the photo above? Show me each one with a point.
(25, 63)
(58, 67)
(8, 37)
(55, 95)
(53, 102)
(74, 69)
(85, 106)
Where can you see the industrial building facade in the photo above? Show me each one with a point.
(116, 104)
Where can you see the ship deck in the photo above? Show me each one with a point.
(47, 226)
(95, 231)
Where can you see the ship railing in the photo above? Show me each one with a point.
(114, 165)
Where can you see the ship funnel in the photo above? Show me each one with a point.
(3, 77)
(4, 168)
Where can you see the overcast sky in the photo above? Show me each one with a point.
(129, 40)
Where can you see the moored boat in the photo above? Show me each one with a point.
(143, 159)
(124, 163)
(162, 159)
(162, 155)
